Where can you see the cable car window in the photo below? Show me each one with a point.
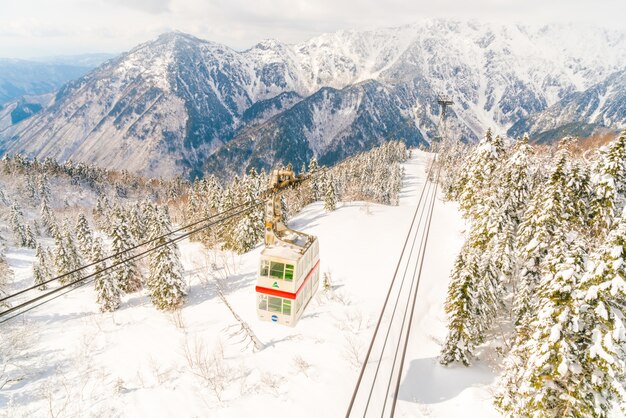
(265, 268)
(289, 272)
(274, 304)
(263, 302)
(277, 269)
(287, 307)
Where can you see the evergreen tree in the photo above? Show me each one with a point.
(165, 282)
(84, 237)
(41, 268)
(602, 312)
(6, 274)
(126, 275)
(66, 258)
(107, 290)
(549, 214)
(22, 232)
(546, 375)
(137, 224)
(250, 228)
(44, 188)
(30, 188)
(461, 307)
(579, 195)
(47, 218)
(330, 194)
(513, 182)
(474, 296)
(608, 182)
(480, 166)
(315, 189)
(101, 213)
(29, 237)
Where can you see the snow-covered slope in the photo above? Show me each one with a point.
(168, 104)
(17, 110)
(141, 362)
(602, 106)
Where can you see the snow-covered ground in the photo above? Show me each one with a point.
(70, 360)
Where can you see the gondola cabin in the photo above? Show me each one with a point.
(288, 279)
(289, 267)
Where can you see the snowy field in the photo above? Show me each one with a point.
(72, 360)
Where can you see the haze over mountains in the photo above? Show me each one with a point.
(182, 105)
(39, 76)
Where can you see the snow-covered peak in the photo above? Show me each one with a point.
(189, 96)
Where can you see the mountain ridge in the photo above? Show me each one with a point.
(170, 105)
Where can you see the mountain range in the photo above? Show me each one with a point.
(182, 105)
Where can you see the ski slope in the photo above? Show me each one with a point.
(70, 360)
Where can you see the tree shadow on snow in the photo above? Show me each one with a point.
(428, 382)
(273, 343)
(306, 220)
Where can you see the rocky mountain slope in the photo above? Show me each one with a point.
(601, 107)
(179, 104)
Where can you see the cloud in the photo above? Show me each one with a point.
(150, 6)
(31, 27)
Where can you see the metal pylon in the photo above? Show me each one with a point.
(444, 102)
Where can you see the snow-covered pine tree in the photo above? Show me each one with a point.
(29, 237)
(226, 202)
(461, 306)
(330, 193)
(250, 227)
(47, 218)
(76, 259)
(84, 237)
(136, 224)
(66, 258)
(31, 193)
(547, 213)
(315, 187)
(16, 221)
(602, 313)
(515, 180)
(108, 294)
(608, 182)
(41, 268)
(486, 256)
(101, 213)
(579, 195)
(43, 186)
(478, 173)
(165, 282)
(546, 375)
(126, 275)
(5, 276)
(475, 294)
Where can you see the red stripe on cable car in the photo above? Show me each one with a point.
(287, 295)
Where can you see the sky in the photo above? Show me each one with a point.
(36, 28)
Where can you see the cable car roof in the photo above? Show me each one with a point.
(291, 246)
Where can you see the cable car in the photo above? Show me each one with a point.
(288, 275)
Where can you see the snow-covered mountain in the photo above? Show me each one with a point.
(330, 124)
(603, 106)
(170, 104)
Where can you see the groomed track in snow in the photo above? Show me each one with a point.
(74, 361)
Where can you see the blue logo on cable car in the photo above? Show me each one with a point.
(274, 318)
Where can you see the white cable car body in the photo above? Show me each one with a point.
(288, 276)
